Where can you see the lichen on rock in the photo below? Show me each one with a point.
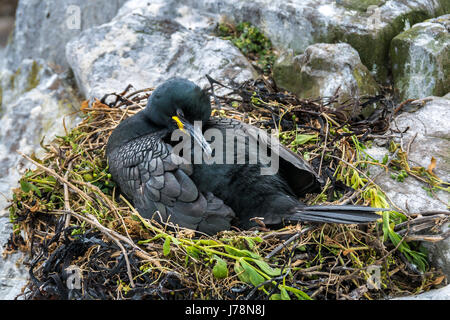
(326, 70)
(368, 26)
(420, 58)
(34, 102)
(360, 5)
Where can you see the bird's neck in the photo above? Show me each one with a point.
(130, 129)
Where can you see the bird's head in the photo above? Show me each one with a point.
(177, 104)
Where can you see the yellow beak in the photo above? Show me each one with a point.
(179, 123)
(194, 132)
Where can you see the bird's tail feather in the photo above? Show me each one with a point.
(346, 214)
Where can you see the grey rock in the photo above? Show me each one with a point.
(188, 17)
(27, 76)
(34, 97)
(43, 27)
(36, 100)
(368, 26)
(436, 294)
(421, 59)
(13, 276)
(145, 50)
(429, 126)
(428, 136)
(322, 70)
(439, 253)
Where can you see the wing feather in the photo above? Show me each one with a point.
(154, 179)
(299, 174)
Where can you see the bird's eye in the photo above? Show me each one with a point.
(180, 113)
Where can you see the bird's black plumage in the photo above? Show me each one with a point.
(210, 197)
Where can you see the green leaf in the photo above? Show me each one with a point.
(251, 244)
(284, 294)
(28, 174)
(159, 235)
(385, 226)
(241, 253)
(251, 254)
(207, 242)
(220, 270)
(298, 293)
(253, 275)
(415, 257)
(193, 252)
(242, 275)
(273, 272)
(304, 138)
(251, 241)
(275, 296)
(36, 189)
(166, 246)
(25, 186)
(257, 239)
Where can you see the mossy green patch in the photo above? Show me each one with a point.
(373, 45)
(13, 77)
(251, 42)
(285, 72)
(420, 59)
(11, 35)
(366, 84)
(33, 76)
(307, 75)
(360, 5)
(444, 8)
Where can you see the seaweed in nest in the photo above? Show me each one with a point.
(84, 240)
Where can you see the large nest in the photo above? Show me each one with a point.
(84, 240)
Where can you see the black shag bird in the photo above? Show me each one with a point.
(209, 197)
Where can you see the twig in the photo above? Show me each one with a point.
(113, 233)
(324, 148)
(420, 220)
(66, 197)
(431, 212)
(284, 244)
(409, 144)
(401, 105)
(428, 237)
(369, 179)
